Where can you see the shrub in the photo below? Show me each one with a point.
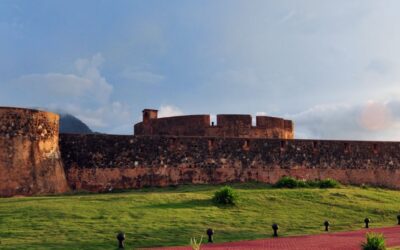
(374, 242)
(290, 182)
(286, 182)
(364, 186)
(328, 183)
(302, 184)
(313, 183)
(226, 196)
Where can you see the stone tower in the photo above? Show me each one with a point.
(30, 161)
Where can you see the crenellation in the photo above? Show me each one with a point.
(227, 126)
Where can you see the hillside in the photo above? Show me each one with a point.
(71, 125)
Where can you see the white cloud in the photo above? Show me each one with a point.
(142, 76)
(375, 116)
(368, 121)
(57, 84)
(85, 93)
(103, 117)
(169, 110)
(86, 83)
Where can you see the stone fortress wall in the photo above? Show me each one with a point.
(33, 160)
(30, 161)
(107, 162)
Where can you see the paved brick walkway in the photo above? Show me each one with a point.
(328, 241)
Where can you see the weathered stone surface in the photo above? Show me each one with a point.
(30, 160)
(105, 162)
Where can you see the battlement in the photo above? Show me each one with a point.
(228, 125)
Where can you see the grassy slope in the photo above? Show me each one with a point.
(155, 217)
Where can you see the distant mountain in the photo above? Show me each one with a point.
(69, 124)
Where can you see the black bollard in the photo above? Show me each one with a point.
(398, 219)
(275, 227)
(121, 238)
(210, 233)
(367, 221)
(326, 224)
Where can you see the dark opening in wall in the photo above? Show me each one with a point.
(314, 144)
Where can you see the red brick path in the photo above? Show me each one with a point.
(328, 241)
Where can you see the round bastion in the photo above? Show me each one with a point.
(30, 161)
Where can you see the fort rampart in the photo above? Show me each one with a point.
(106, 162)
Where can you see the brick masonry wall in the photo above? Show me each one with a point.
(105, 162)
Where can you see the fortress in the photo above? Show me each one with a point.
(36, 159)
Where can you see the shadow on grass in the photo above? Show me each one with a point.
(171, 189)
(182, 204)
(195, 203)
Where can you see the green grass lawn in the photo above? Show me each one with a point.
(171, 216)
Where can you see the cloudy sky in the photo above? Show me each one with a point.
(331, 66)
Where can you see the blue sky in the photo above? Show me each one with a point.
(331, 66)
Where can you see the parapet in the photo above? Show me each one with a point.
(189, 125)
(228, 125)
(243, 121)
